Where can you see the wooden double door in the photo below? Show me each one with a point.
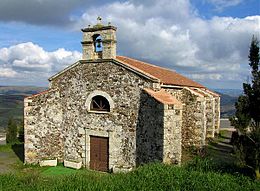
(99, 155)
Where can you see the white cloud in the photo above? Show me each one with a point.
(30, 61)
(206, 76)
(171, 34)
(167, 33)
(7, 72)
(222, 4)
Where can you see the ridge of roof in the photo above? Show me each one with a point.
(163, 97)
(166, 76)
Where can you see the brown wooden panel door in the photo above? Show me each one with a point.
(99, 153)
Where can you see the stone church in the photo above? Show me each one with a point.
(113, 113)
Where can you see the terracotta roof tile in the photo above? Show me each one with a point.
(163, 97)
(166, 76)
(41, 93)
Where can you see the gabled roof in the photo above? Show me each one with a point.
(152, 72)
(166, 76)
(163, 97)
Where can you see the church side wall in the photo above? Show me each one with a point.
(217, 114)
(42, 127)
(210, 115)
(119, 125)
(194, 117)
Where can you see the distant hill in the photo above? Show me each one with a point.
(230, 92)
(11, 102)
(227, 101)
(20, 90)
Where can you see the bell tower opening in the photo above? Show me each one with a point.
(99, 41)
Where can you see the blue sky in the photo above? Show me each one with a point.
(238, 8)
(206, 40)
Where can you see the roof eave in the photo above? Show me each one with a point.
(64, 70)
(180, 86)
(118, 62)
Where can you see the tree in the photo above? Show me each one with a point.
(21, 132)
(247, 116)
(11, 135)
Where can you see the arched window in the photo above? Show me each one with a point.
(98, 42)
(99, 103)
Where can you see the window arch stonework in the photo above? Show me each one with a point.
(99, 102)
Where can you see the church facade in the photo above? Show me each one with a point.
(113, 113)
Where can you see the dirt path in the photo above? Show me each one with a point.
(7, 160)
(220, 150)
(10, 157)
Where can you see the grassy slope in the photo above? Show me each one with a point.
(198, 175)
(148, 177)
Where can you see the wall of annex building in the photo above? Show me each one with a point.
(158, 132)
(43, 131)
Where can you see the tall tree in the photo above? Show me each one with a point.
(247, 117)
(252, 91)
(11, 135)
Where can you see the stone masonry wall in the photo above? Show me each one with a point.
(210, 112)
(194, 116)
(149, 130)
(58, 123)
(158, 132)
(217, 114)
(172, 149)
(42, 127)
(109, 45)
(119, 125)
(210, 115)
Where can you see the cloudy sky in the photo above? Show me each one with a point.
(206, 40)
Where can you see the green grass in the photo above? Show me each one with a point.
(6, 148)
(58, 170)
(149, 177)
